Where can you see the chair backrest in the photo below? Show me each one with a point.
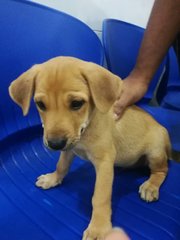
(170, 83)
(30, 34)
(121, 42)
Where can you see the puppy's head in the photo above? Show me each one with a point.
(66, 91)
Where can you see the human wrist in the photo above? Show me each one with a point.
(140, 76)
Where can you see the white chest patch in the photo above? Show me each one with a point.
(80, 151)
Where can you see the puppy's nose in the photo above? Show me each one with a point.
(57, 144)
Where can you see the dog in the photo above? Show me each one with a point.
(75, 102)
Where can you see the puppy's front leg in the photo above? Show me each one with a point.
(53, 179)
(100, 223)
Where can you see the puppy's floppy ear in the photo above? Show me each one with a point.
(21, 89)
(105, 87)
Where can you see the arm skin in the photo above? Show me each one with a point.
(162, 28)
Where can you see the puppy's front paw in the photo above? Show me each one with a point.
(97, 231)
(149, 192)
(48, 180)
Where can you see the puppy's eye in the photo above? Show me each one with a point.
(41, 105)
(77, 104)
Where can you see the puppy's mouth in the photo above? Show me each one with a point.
(66, 143)
(62, 146)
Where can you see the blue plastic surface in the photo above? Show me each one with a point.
(63, 212)
(121, 42)
(171, 77)
(31, 34)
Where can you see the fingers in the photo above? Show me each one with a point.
(119, 107)
(117, 234)
(126, 99)
(132, 92)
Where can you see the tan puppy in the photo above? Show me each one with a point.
(74, 99)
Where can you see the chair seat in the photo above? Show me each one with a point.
(63, 212)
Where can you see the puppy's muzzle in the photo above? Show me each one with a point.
(57, 143)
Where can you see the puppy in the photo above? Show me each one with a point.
(74, 99)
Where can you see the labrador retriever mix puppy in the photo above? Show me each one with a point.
(75, 102)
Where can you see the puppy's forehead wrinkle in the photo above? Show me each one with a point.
(60, 76)
(62, 66)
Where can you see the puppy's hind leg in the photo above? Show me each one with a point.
(55, 178)
(149, 190)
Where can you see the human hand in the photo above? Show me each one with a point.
(133, 89)
(117, 234)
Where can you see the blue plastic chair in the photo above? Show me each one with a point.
(30, 34)
(171, 83)
(121, 43)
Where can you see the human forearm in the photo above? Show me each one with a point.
(162, 28)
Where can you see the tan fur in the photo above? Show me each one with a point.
(91, 131)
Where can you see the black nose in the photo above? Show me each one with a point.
(57, 144)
